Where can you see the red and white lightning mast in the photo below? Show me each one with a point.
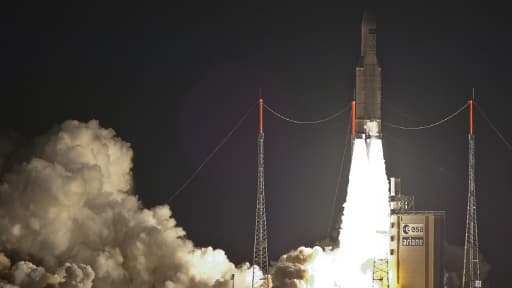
(471, 274)
(260, 257)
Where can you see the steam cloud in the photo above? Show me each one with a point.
(68, 218)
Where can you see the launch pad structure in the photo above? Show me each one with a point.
(416, 243)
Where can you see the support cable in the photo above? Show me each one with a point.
(493, 127)
(308, 122)
(404, 115)
(214, 151)
(429, 125)
(340, 174)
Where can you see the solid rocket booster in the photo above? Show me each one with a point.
(368, 96)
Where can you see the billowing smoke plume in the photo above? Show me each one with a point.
(26, 274)
(308, 267)
(68, 218)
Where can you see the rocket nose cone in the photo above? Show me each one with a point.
(369, 19)
(368, 33)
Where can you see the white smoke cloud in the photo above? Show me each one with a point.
(306, 267)
(75, 276)
(70, 209)
(4, 284)
(27, 275)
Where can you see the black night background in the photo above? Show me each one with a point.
(172, 79)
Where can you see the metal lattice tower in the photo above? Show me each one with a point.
(260, 257)
(471, 274)
(380, 273)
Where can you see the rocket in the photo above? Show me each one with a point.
(367, 117)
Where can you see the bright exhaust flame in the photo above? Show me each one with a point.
(364, 233)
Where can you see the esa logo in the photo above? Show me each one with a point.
(413, 229)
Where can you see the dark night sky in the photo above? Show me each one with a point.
(172, 80)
